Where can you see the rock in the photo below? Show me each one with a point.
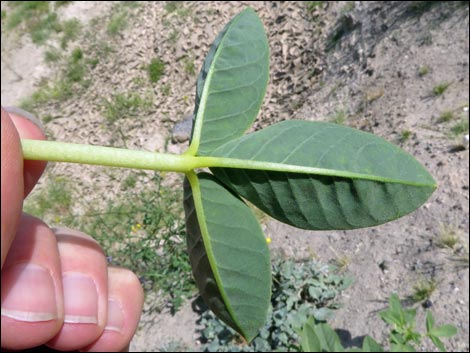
(182, 130)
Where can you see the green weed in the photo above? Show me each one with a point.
(418, 8)
(405, 135)
(124, 105)
(172, 6)
(189, 67)
(348, 7)
(117, 23)
(320, 337)
(129, 182)
(147, 236)
(52, 55)
(155, 70)
(461, 127)
(313, 5)
(423, 290)
(440, 88)
(39, 20)
(173, 36)
(178, 8)
(423, 70)
(446, 116)
(448, 237)
(54, 200)
(339, 117)
(70, 80)
(75, 69)
(71, 29)
(24, 11)
(300, 290)
(41, 30)
(166, 89)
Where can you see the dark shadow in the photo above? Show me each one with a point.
(348, 341)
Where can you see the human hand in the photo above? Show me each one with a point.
(56, 286)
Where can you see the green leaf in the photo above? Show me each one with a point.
(232, 84)
(370, 345)
(444, 331)
(438, 343)
(329, 340)
(228, 254)
(308, 338)
(316, 175)
(429, 321)
(402, 348)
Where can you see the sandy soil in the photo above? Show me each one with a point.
(360, 61)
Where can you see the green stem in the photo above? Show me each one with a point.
(120, 157)
(105, 156)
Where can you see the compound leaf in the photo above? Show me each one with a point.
(316, 175)
(228, 254)
(231, 85)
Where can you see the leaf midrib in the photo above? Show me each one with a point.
(224, 162)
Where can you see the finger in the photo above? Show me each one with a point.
(28, 127)
(125, 300)
(84, 281)
(11, 182)
(32, 302)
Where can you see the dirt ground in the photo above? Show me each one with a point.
(369, 65)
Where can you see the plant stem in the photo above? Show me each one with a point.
(184, 163)
(105, 156)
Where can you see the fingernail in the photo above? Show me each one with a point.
(80, 299)
(26, 115)
(28, 293)
(115, 320)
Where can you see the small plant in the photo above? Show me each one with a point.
(70, 31)
(189, 67)
(339, 117)
(405, 136)
(117, 23)
(423, 290)
(461, 127)
(146, 235)
(55, 198)
(313, 5)
(320, 337)
(178, 8)
(448, 237)
(124, 105)
(75, 69)
(440, 88)
(52, 55)
(423, 70)
(156, 69)
(300, 290)
(312, 175)
(446, 116)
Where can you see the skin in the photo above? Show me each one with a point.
(42, 274)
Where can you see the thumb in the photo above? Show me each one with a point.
(12, 187)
